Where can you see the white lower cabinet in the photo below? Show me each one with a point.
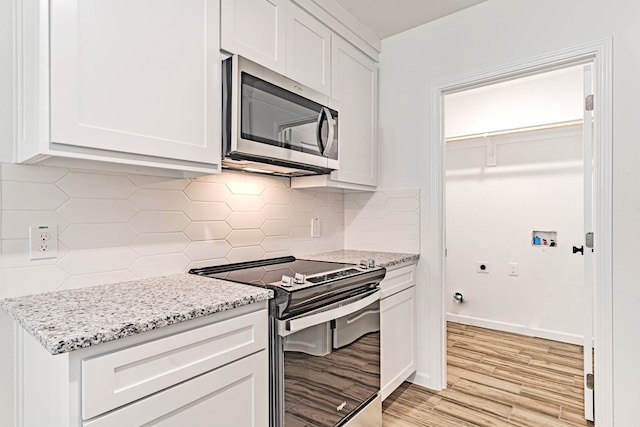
(398, 322)
(208, 371)
(234, 395)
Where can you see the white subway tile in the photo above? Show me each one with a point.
(94, 185)
(245, 238)
(160, 243)
(159, 200)
(89, 236)
(402, 204)
(276, 211)
(85, 280)
(207, 211)
(159, 265)
(31, 196)
(245, 220)
(248, 187)
(207, 230)
(279, 196)
(93, 211)
(31, 173)
(403, 218)
(159, 182)
(199, 191)
(245, 203)
(15, 224)
(300, 233)
(276, 243)
(401, 192)
(247, 253)
(276, 228)
(32, 280)
(88, 261)
(207, 250)
(159, 222)
(15, 254)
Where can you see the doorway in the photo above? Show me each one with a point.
(515, 209)
(599, 54)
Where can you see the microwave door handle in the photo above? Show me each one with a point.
(319, 140)
(342, 308)
(330, 141)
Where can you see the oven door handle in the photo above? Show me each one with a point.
(334, 311)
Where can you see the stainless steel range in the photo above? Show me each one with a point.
(324, 339)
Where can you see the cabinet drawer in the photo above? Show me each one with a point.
(397, 280)
(234, 395)
(114, 379)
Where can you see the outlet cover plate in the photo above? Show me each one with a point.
(43, 242)
(482, 267)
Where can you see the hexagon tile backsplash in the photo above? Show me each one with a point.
(116, 227)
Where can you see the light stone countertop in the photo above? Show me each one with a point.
(382, 259)
(71, 319)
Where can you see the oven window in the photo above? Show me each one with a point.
(275, 116)
(332, 369)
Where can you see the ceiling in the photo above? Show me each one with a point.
(388, 17)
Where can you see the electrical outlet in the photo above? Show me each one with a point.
(513, 269)
(315, 227)
(43, 242)
(482, 267)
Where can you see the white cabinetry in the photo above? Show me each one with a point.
(308, 50)
(316, 55)
(397, 328)
(255, 29)
(133, 82)
(184, 374)
(354, 84)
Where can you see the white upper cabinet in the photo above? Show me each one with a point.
(354, 84)
(129, 81)
(255, 29)
(308, 50)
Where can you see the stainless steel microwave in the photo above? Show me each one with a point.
(272, 124)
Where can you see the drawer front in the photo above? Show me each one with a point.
(398, 280)
(234, 395)
(114, 379)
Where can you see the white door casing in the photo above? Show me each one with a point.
(599, 53)
(587, 171)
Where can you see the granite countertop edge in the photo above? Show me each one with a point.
(69, 320)
(382, 259)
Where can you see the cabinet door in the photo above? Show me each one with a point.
(136, 76)
(256, 30)
(308, 50)
(397, 339)
(354, 84)
(234, 395)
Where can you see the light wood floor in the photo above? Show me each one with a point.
(496, 379)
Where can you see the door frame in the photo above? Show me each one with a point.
(599, 53)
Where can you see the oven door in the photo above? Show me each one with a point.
(330, 362)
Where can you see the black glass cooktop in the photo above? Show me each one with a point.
(267, 272)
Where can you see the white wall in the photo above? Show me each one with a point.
(551, 97)
(490, 215)
(489, 35)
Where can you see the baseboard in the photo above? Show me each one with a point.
(517, 329)
(421, 379)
